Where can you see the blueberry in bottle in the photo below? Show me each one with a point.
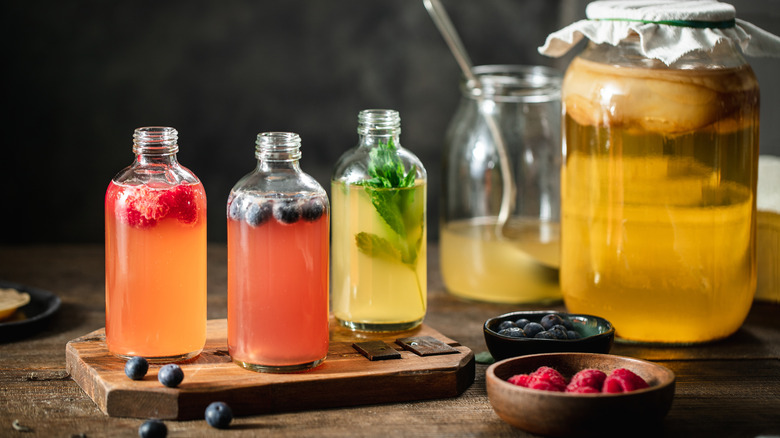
(312, 209)
(287, 211)
(258, 213)
(236, 208)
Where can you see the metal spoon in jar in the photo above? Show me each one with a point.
(442, 20)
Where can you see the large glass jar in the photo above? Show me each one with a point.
(501, 197)
(379, 234)
(658, 190)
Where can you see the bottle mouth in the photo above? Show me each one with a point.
(515, 83)
(379, 122)
(155, 140)
(278, 146)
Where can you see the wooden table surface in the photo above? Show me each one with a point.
(725, 389)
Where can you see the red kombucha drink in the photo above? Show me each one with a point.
(277, 283)
(278, 262)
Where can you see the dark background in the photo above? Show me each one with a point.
(80, 76)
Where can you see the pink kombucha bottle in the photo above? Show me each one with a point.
(278, 249)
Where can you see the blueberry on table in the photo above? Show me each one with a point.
(506, 325)
(258, 213)
(170, 375)
(548, 321)
(532, 328)
(287, 211)
(153, 429)
(312, 209)
(136, 368)
(219, 415)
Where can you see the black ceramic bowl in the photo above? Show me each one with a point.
(596, 336)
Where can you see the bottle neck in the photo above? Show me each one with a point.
(155, 145)
(278, 151)
(378, 126)
(371, 140)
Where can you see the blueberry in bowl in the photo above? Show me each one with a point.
(533, 332)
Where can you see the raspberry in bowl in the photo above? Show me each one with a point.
(551, 400)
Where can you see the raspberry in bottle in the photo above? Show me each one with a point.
(155, 254)
(278, 254)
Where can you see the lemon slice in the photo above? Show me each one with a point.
(10, 300)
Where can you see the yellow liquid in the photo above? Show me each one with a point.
(768, 256)
(517, 264)
(376, 292)
(658, 213)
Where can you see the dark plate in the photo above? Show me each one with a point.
(31, 317)
(597, 336)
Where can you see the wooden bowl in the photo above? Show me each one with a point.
(568, 414)
(597, 336)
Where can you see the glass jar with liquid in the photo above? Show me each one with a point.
(500, 198)
(658, 187)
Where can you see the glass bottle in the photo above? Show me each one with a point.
(379, 233)
(659, 191)
(501, 194)
(278, 237)
(155, 254)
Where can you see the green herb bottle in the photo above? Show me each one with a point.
(378, 196)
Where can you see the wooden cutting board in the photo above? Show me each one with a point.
(346, 378)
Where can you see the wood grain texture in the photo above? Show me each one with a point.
(724, 389)
(346, 378)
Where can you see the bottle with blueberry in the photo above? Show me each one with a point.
(278, 260)
(379, 233)
(155, 216)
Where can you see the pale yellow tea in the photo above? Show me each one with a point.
(379, 276)
(516, 263)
